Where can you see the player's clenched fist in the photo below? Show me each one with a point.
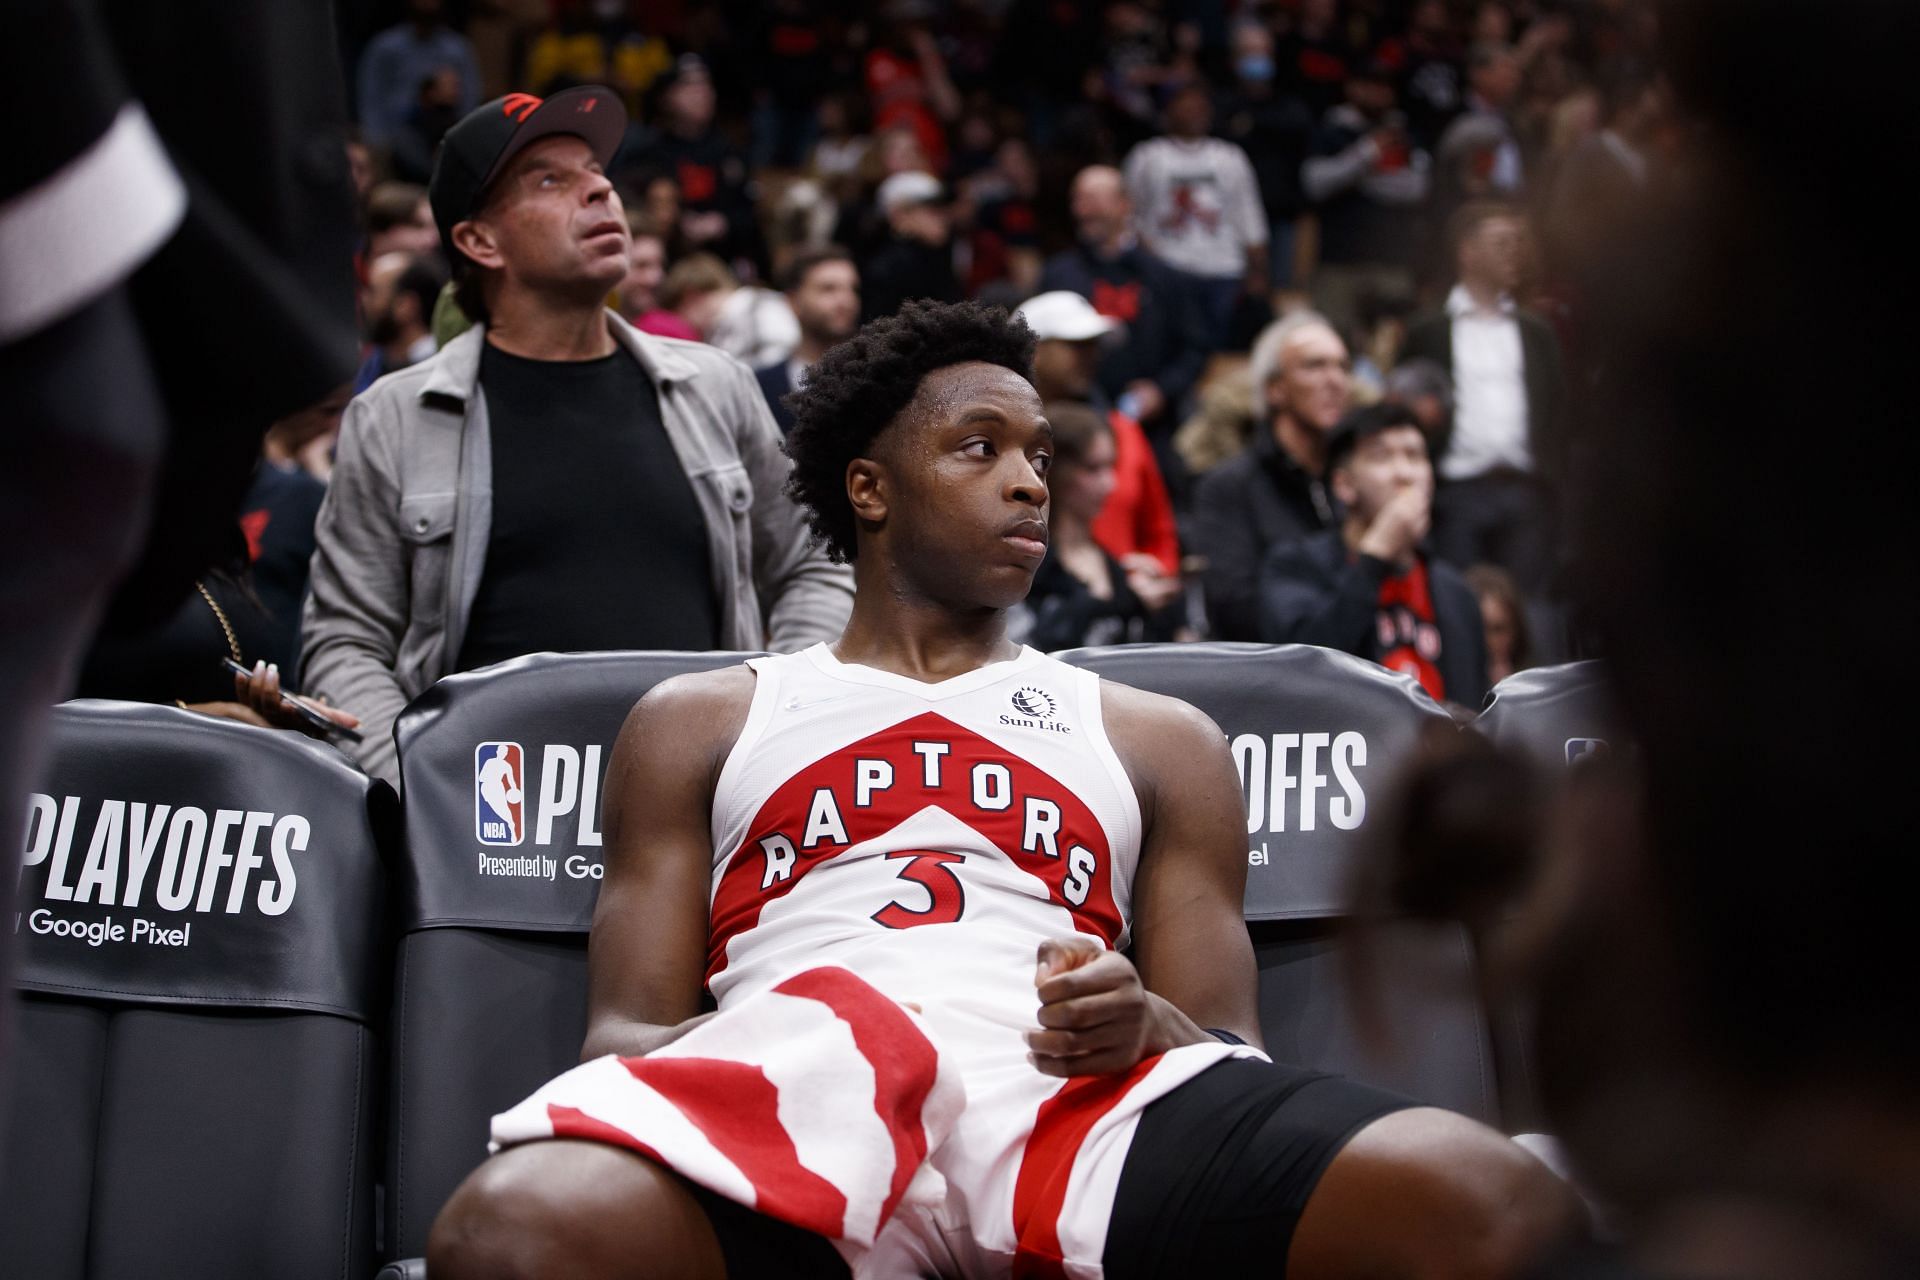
(1095, 1017)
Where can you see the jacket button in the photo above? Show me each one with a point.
(741, 499)
(420, 525)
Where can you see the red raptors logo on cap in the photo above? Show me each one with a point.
(519, 105)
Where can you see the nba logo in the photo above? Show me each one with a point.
(498, 805)
(1586, 750)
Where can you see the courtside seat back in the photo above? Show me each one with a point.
(202, 945)
(1560, 717)
(502, 770)
(1397, 1006)
(1318, 737)
(1563, 718)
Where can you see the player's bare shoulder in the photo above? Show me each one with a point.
(689, 720)
(1163, 741)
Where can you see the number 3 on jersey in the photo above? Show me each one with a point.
(946, 898)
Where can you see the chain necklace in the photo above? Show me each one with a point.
(233, 643)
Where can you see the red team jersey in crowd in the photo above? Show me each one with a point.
(881, 842)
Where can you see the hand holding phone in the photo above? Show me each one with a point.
(290, 706)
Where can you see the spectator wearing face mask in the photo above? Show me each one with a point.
(1273, 129)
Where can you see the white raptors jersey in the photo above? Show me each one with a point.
(928, 837)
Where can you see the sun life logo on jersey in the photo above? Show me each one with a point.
(1036, 708)
(1032, 702)
(499, 797)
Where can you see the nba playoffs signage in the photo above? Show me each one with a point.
(502, 771)
(1316, 736)
(180, 858)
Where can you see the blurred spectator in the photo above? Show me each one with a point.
(1508, 445)
(690, 297)
(1503, 620)
(435, 109)
(640, 291)
(605, 510)
(397, 308)
(1314, 56)
(1197, 204)
(862, 225)
(1136, 525)
(795, 39)
(716, 207)
(701, 301)
(1004, 240)
(1042, 60)
(755, 325)
(1493, 79)
(1137, 67)
(359, 165)
(1367, 588)
(1604, 178)
(1081, 594)
(1367, 177)
(840, 149)
(247, 608)
(1377, 338)
(916, 261)
(1273, 129)
(501, 31)
(399, 220)
(658, 205)
(1272, 492)
(907, 83)
(596, 42)
(1433, 87)
(823, 288)
(1154, 363)
(277, 517)
(1219, 429)
(398, 61)
(1426, 389)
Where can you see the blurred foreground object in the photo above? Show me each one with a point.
(175, 274)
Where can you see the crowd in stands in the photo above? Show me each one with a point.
(1298, 268)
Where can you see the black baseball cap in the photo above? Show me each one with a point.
(473, 152)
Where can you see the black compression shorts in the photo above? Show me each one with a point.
(1221, 1168)
(1218, 1174)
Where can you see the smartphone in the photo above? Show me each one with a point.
(300, 708)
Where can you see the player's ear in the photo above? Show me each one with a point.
(867, 490)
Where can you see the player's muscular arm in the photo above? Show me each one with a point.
(646, 956)
(1100, 1013)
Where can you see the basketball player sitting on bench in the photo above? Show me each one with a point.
(976, 831)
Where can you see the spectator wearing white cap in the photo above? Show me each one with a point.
(916, 261)
(1135, 525)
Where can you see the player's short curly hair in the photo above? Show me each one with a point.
(859, 387)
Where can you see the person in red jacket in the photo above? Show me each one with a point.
(1136, 526)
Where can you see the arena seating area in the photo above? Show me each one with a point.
(266, 1011)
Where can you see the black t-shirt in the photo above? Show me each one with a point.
(597, 541)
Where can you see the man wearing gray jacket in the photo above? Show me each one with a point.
(552, 480)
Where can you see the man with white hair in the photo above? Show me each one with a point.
(1273, 492)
